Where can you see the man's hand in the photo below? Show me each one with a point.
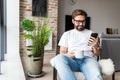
(63, 50)
(71, 54)
(93, 42)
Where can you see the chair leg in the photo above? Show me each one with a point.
(113, 76)
(54, 74)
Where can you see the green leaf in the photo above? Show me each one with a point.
(28, 25)
(28, 36)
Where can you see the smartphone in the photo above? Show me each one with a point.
(94, 35)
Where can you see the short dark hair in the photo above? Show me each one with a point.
(79, 12)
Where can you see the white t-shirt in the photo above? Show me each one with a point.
(77, 41)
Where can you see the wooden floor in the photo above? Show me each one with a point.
(49, 70)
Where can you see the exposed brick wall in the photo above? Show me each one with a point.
(26, 13)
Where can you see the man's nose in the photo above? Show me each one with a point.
(80, 23)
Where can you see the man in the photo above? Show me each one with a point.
(78, 39)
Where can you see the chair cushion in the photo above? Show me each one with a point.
(107, 66)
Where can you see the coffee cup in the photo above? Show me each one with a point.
(79, 54)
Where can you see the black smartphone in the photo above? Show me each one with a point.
(94, 35)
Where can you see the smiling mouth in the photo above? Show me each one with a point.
(80, 26)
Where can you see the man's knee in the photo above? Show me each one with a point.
(57, 59)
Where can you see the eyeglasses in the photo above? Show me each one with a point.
(79, 21)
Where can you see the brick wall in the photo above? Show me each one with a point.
(26, 13)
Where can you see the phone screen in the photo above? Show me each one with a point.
(94, 35)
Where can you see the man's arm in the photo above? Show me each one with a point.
(94, 42)
(96, 50)
(64, 51)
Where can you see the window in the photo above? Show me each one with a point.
(2, 29)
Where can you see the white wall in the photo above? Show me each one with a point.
(14, 65)
(12, 26)
(103, 13)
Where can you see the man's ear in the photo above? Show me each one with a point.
(73, 21)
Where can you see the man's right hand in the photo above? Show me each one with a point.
(71, 54)
(63, 50)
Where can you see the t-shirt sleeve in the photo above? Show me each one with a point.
(63, 40)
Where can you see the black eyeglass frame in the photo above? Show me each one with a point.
(79, 21)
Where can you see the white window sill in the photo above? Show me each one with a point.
(11, 68)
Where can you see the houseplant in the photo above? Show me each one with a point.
(38, 35)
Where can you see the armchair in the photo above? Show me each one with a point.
(80, 76)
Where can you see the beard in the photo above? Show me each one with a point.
(80, 27)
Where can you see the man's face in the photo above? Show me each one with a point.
(79, 22)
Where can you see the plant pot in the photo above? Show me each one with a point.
(35, 65)
(29, 51)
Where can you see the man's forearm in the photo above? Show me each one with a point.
(96, 50)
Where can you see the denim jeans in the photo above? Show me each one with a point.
(65, 67)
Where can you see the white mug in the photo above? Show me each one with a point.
(79, 54)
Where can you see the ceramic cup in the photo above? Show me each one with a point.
(79, 54)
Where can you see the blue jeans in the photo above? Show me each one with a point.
(65, 67)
